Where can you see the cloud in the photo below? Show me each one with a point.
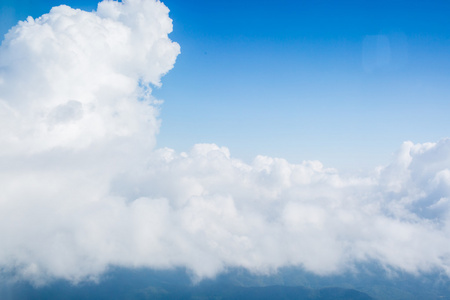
(83, 189)
(71, 78)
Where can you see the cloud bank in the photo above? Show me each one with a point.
(83, 189)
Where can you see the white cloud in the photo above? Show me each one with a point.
(83, 189)
(71, 78)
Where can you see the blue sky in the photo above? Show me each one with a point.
(344, 83)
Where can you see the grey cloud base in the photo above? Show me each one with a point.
(83, 188)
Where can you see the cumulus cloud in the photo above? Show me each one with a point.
(83, 189)
(72, 78)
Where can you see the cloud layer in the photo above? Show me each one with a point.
(83, 189)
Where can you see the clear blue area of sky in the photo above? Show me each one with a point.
(343, 82)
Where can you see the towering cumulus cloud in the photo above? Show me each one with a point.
(83, 189)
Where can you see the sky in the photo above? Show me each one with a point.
(305, 79)
(344, 83)
(290, 134)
